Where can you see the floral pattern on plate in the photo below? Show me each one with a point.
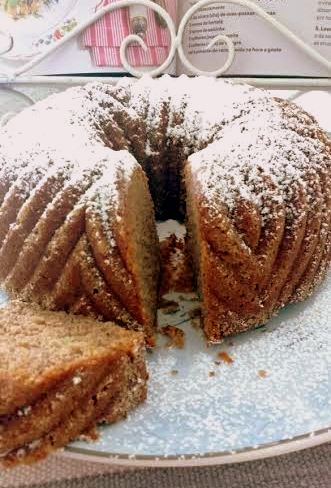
(34, 24)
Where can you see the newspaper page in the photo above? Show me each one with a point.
(260, 50)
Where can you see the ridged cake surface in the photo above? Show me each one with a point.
(75, 203)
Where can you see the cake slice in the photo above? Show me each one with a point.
(60, 375)
(98, 221)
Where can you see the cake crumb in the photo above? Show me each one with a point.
(174, 372)
(194, 313)
(262, 373)
(196, 323)
(91, 435)
(194, 298)
(211, 373)
(150, 342)
(225, 357)
(168, 306)
(164, 302)
(175, 336)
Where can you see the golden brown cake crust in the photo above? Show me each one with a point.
(258, 177)
(257, 257)
(61, 374)
(72, 245)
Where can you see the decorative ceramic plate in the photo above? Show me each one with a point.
(263, 393)
(32, 25)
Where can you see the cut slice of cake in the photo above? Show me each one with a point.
(60, 375)
(85, 227)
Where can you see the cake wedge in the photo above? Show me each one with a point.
(60, 375)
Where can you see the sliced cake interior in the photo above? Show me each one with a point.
(139, 243)
(60, 375)
(193, 228)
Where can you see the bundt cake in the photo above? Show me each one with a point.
(248, 172)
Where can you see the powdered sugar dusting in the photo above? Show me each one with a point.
(196, 108)
(103, 197)
(66, 126)
(252, 137)
(258, 157)
(255, 153)
(195, 412)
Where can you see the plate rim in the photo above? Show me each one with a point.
(9, 56)
(252, 453)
